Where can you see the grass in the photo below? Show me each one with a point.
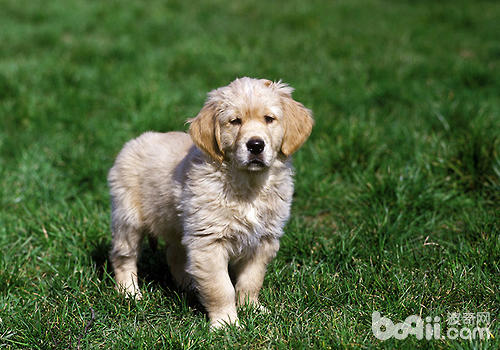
(397, 190)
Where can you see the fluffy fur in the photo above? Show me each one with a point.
(218, 200)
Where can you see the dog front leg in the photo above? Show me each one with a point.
(250, 273)
(208, 266)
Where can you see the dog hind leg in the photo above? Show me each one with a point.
(125, 251)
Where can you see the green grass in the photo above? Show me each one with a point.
(397, 190)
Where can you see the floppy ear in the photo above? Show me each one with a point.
(298, 123)
(205, 132)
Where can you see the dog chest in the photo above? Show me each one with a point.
(250, 216)
(218, 207)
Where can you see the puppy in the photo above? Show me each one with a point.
(219, 196)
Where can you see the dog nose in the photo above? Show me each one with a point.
(255, 145)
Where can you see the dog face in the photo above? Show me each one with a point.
(249, 122)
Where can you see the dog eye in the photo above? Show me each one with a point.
(269, 119)
(236, 121)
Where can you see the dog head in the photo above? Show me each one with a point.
(249, 122)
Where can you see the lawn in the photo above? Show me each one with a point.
(396, 205)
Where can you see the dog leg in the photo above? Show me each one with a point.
(124, 254)
(208, 267)
(250, 273)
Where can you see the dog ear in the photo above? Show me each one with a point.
(205, 132)
(298, 123)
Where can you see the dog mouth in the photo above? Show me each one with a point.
(256, 164)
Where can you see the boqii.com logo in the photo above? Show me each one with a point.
(463, 326)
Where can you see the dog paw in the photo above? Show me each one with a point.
(130, 292)
(136, 295)
(223, 322)
(254, 305)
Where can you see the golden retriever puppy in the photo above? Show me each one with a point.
(219, 196)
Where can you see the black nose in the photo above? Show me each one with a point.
(255, 145)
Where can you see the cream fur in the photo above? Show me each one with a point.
(218, 207)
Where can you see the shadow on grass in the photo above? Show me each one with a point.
(153, 273)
